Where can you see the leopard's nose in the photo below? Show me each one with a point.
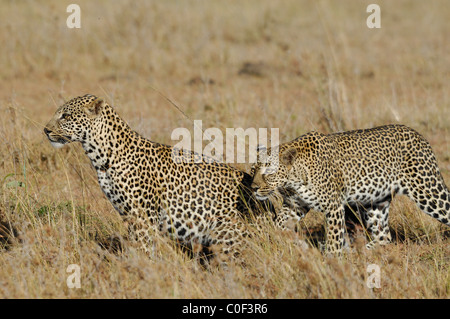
(47, 131)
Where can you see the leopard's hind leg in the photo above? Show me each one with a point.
(376, 219)
(426, 187)
(422, 181)
(433, 199)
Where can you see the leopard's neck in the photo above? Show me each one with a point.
(112, 142)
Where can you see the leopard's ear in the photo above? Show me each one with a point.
(261, 153)
(260, 148)
(95, 108)
(287, 156)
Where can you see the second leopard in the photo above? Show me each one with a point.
(355, 171)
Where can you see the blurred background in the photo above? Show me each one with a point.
(296, 65)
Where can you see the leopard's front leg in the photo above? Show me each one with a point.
(290, 210)
(141, 230)
(335, 229)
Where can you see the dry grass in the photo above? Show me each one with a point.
(297, 65)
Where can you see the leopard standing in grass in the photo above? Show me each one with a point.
(357, 171)
(154, 188)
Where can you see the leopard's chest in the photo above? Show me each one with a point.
(308, 194)
(114, 191)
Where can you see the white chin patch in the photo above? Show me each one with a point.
(57, 144)
(259, 197)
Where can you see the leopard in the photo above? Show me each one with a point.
(156, 188)
(359, 172)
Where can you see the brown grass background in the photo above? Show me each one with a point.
(293, 65)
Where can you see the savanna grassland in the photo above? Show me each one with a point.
(293, 65)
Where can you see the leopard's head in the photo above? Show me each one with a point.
(271, 171)
(72, 121)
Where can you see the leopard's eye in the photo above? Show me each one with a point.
(65, 116)
(268, 170)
